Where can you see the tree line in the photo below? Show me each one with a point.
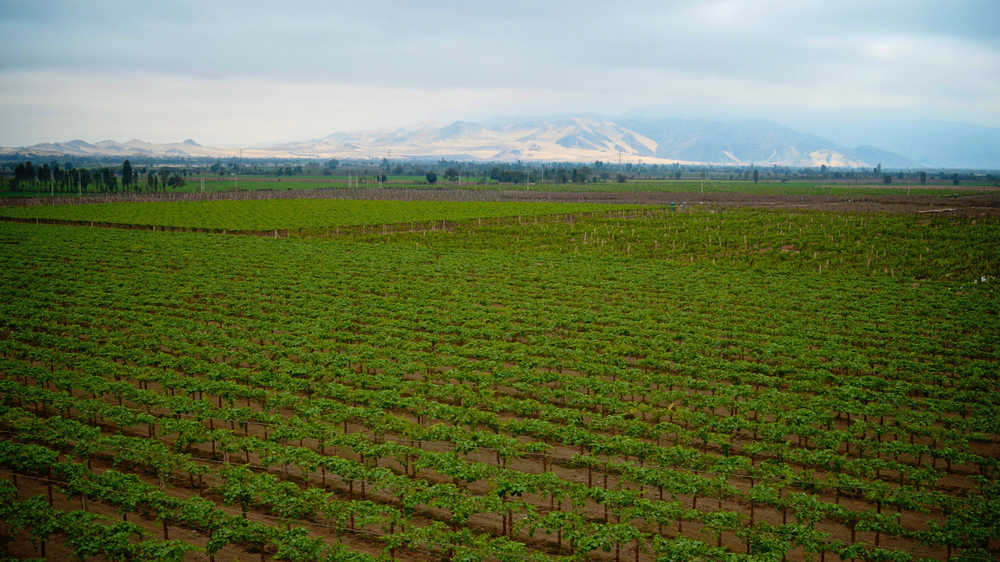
(67, 179)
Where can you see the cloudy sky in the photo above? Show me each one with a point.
(248, 72)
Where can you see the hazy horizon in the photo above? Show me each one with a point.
(243, 73)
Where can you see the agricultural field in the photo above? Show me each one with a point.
(565, 384)
(841, 187)
(921, 247)
(288, 213)
(795, 187)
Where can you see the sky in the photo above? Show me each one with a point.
(241, 73)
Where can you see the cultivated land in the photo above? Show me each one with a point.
(696, 382)
(845, 188)
(288, 213)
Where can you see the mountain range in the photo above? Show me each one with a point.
(586, 138)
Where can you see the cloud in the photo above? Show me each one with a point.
(314, 67)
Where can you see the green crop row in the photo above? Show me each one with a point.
(291, 213)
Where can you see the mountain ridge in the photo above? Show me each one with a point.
(559, 138)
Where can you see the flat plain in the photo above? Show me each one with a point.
(545, 383)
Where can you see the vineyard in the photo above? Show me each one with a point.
(287, 213)
(542, 383)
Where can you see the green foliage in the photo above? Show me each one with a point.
(448, 384)
(291, 213)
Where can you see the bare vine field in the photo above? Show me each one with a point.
(652, 384)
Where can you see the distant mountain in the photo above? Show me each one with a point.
(575, 139)
(934, 144)
(754, 141)
(136, 148)
(566, 138)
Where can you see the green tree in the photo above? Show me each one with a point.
(108, 177)
(431, 177)
(176, 181)
(756, 176)
(887, 179)
(126, 174)
(451, 174)
(923, 178)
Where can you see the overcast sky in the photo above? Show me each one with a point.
(248, 72)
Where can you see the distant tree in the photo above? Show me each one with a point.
(923, 178)
(164, 177)
(887, 179)
(80, 177)
(19, 173)
(332, 164)
(29, 172)
(451, 174)
(878, 170)
(620, 178)
(756, 176)
(586, 172)
(431, 177)
(176, 181)
(954, 179)
(216, 167)
(126, 175)
(109, 180)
